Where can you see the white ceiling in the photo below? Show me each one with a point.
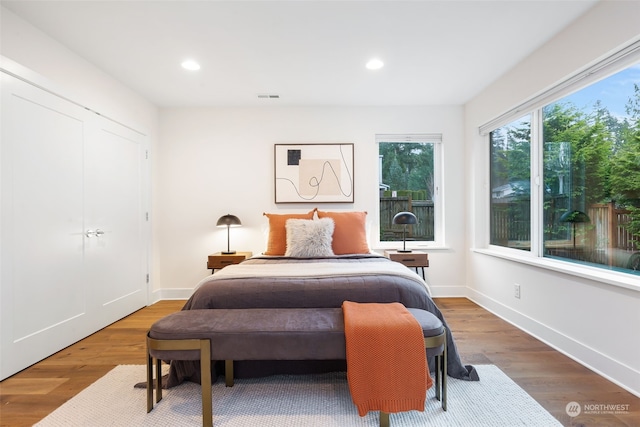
(308, 52)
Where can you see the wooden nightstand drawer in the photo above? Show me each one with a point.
(410, 259)
(219, 260)
(415, 259)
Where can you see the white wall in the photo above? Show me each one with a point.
(593, 321)
(213, 161)
(80, 80)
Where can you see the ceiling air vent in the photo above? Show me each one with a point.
(268, 96)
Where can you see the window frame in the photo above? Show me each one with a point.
(589, 74)
(438, 202)
(610, 65)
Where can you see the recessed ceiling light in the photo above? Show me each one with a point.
(375, 64)
(190, 65)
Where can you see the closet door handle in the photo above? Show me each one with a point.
(94, 233)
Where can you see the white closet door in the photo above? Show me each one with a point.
(116, 251)
(43, 294)
(64, 171)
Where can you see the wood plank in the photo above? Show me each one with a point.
(30, 385)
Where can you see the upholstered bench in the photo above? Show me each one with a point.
(265, 334)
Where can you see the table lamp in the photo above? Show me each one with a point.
(228, 221)
(404, 218)
(574, 217)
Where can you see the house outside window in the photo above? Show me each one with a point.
(409, 180)
(565, 179)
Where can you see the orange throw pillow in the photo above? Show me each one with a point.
(277, 243)
(349, 233)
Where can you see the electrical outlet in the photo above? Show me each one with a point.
(516, 290)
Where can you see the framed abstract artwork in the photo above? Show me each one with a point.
(314, 173)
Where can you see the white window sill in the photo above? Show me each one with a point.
(382, 247)
(613, 278)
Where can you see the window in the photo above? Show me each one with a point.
(409, 180)
(582, 203)
(511, 185)
(592, 170)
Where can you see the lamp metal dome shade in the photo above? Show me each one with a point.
(574, 216)
(405, 218)
(229, 220)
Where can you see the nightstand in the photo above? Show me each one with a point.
(415, 259)
(220, 260)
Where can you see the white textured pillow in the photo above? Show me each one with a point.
(309, 238)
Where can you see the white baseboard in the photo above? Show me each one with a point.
(448, 291)
(611, 369)
(170, 294)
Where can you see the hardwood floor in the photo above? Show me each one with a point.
(551, 378)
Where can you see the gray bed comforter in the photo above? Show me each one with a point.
(306, 292)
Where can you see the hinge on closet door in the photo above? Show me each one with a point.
(146, 216)
(146, 154)
(147, 277)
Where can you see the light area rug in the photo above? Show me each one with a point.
(294, 401)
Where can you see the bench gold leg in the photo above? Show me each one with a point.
(204, 348)
(205, 380)
(384, 419)
(444, 375)
(149, 381)
(150, 361)
(441, 365)
(158, 380)
(438, 376)
(228, 373)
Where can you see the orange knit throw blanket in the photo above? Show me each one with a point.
(386, 358)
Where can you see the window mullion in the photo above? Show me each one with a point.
(537, 184)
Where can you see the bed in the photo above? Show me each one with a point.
(312, 278)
